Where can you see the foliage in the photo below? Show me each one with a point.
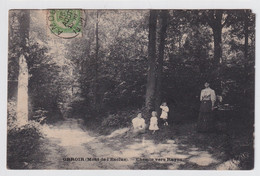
(22, 143)
(120, 71)
(11, 113)
(118, 120)
(117, 76)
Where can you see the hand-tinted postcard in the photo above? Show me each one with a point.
(131, 89)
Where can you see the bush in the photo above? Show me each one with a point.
(39, 115)
(11, 113)
(22, 143)
(119, 120)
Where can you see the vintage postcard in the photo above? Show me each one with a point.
(131, 89)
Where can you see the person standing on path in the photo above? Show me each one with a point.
(154, 122)
(164, 114)
(207, 98)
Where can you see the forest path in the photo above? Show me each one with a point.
(119, 150)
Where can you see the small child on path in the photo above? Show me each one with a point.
(154, 122)
(138, 123)
(164, 114)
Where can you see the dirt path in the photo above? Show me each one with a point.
(68, 141)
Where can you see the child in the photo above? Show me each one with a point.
(153, 122)
(138, 123)
(164, 114)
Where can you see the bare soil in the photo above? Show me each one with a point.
(172, 147)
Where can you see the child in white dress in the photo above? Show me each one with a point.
(154, 122)
(138, 123)
(164, 114)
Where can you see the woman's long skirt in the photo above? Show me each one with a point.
(205, 121)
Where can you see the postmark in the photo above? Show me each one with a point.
(64, 23)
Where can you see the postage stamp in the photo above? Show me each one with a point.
(64, 23)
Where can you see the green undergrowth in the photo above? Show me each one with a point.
(23, 143)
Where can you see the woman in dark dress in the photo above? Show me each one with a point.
(207, 98)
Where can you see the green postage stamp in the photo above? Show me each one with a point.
(65, 23)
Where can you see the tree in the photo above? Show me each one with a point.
(18, 55)
(19, 23)
(164, 23)
(151, 76)
(242, 56)
(96, 63)
(246, 33)
(24, 21)
(217, 20)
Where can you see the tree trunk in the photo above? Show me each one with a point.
(158, 99)
(96, 66)
(215, 22)
(246, 35)
(217, 32)
(217, 46)
(22, 95)
(151, 77)
(23, 112)
(24, 22)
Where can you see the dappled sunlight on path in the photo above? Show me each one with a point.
(67, 135)
(119, 150)
(170, 154)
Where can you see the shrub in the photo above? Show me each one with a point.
(22, 143)
(11, 113)
(119, 120)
